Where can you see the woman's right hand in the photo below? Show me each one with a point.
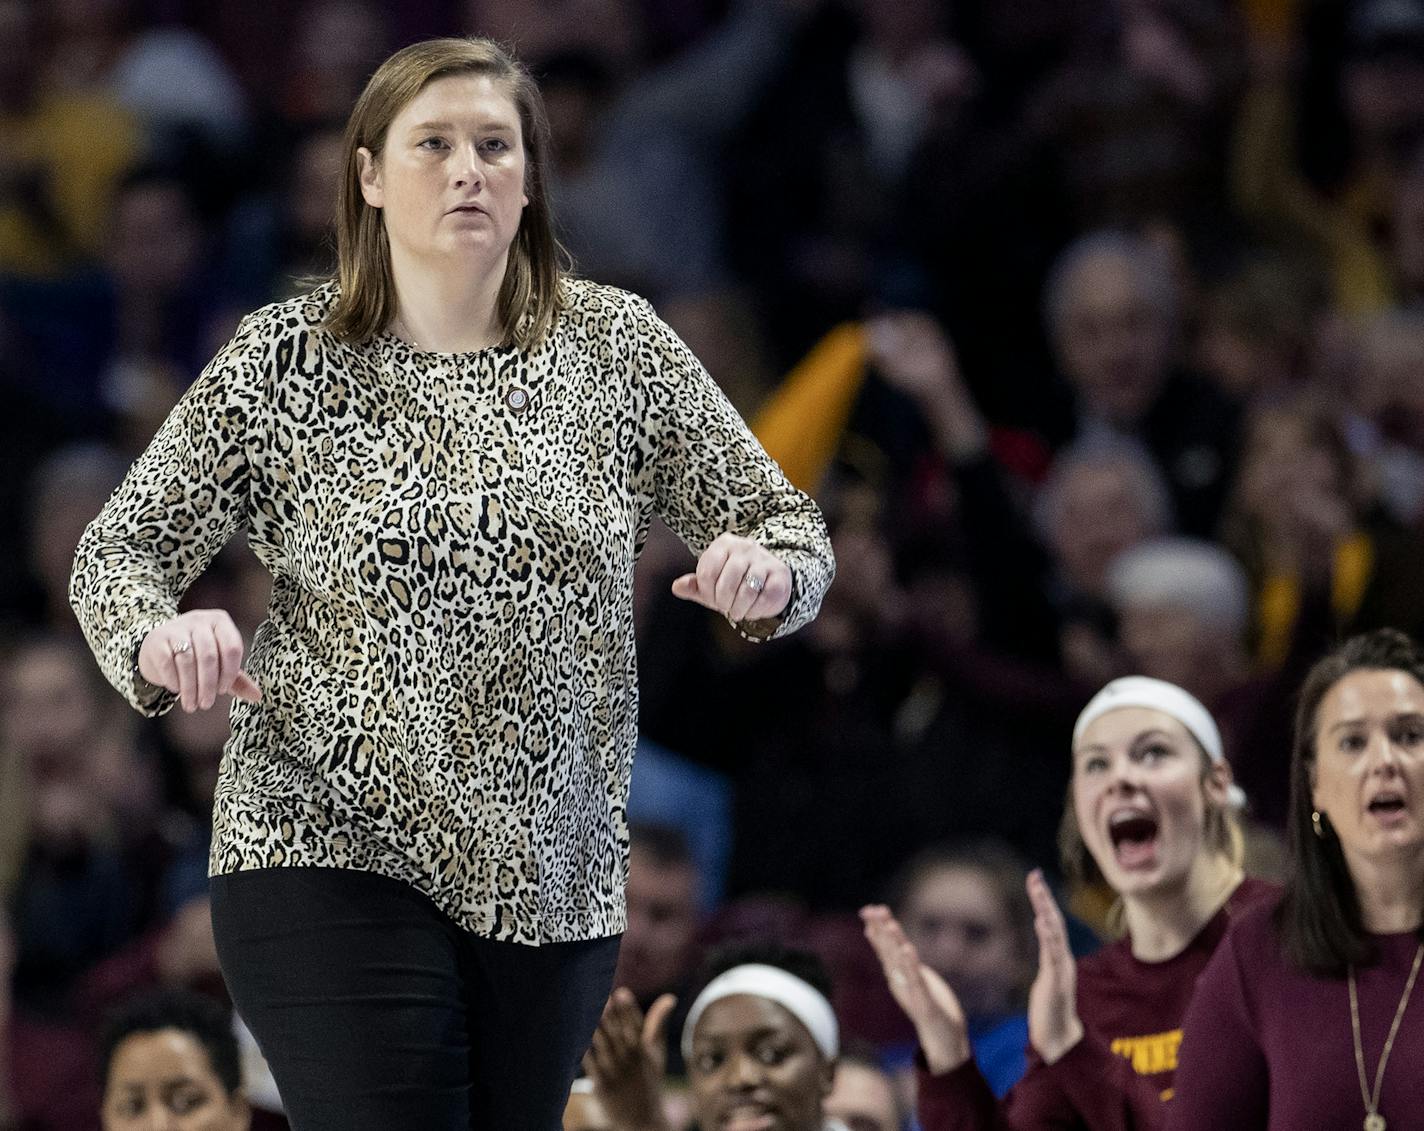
(925, 997)
(1053, 1023)
(197, 656)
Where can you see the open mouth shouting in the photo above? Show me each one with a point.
(1133, 834)
(1389, 807)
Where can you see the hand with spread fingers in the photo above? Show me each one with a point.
(627, 1059)
(1053, 1023)
(926, 998)
(738, 579)
(197, 656)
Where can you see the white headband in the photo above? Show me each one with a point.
(1159, 695)
(799, 998)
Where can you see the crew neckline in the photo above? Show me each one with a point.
(397, 344)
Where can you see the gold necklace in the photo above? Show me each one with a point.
(1374, 1121)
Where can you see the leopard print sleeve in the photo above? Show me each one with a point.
(712, 476)
(182, 500)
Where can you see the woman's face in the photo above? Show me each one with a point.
(1368, 777)
(1101, 516)
(863, 1098)
(754, 1067)
(164, 1080)
(961, 928)
(1140, 800)
(450, 180)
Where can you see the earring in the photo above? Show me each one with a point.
(1316, 825)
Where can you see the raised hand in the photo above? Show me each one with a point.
(197, 656)
(911, 353)
(627, 1059)
(738, 579)
(1053, 1023)
(925, 997)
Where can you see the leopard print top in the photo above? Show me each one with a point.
(447, 665)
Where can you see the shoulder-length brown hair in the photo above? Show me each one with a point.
(531, 295)
(1319, 919)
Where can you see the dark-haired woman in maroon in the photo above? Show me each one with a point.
(1307, 1015)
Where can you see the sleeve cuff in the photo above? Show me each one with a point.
(959, 1098)
(147, 698)
(766, 628)
(810, 577)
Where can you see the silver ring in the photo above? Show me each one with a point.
(182, 646)
(755, 584)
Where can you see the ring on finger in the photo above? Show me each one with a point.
(755, 583)
(182, 646)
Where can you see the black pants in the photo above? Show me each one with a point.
(377, 1013)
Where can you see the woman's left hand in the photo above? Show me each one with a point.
(1053, 1023)
(739, 579)
(626, 1060)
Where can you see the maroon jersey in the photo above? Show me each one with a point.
(1121, 1072)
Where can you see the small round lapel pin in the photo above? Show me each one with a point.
(517, 400)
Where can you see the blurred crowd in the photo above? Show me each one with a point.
(1094, 326)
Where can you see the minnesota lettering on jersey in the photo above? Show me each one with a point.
(1151, 1054)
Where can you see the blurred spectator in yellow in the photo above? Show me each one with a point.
(1366, 230)
(62, 153)
(1317, 548)
(169, 76)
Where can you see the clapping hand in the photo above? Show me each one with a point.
(197, 656)
(1053, 1023)
(924, 996)
(738, 579)
(627, 1060)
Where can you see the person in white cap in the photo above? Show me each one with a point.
(1151, 810)
(760, 1042)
